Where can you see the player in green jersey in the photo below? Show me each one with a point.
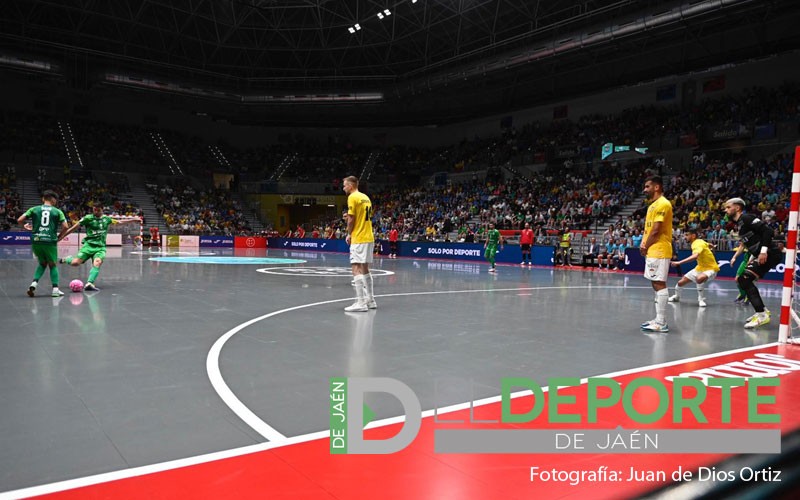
(493, 238)
(94, 243)
(46, 221)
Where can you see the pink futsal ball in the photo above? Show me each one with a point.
(76, 285)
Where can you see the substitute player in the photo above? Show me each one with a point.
(393, 237)
(493, 238)
(94, 243)
(154, 238)
(362, 243)
(706, 269)
(656, 247)
(525, 243)
(757, 238)
(47, 220)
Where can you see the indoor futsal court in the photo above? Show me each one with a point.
(206, 374)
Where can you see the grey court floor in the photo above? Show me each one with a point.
(102, 381)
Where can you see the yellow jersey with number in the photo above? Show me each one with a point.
(705, 257)
(360, 208)
(659, 211)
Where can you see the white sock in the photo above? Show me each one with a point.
(701, 293)
(662, 296)
(677, 291)
(368, 287)
(360, 288)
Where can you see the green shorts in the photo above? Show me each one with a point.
(490, 252)
(90, 252)
(45, 253)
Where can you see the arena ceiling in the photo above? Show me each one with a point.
(432, 61)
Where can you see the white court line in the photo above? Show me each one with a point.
(259, 425)
(237, 452)
(334, 272)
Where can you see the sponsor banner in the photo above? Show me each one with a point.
(73, 239)
(635, 262)
(667, 92)
(567, 151)
(179, 241)
(317, 244)
(24, 238)
(685, 141)
(727, 132)
(216, 241)
(510, 254)
(765, 131)
(15, 238)
(714, 84)
(541, 255)
(188, 241)
(249, 242)
(112, 239)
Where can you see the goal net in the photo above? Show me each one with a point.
(128, 233)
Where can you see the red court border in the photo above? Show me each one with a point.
(308, 470)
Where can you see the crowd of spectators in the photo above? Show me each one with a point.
(189, 211)
(632, 126)
(10, 204)
(78, 191)
(577, 199)
(574, 195)
(104, 144)
(30, 135)
(698, 195)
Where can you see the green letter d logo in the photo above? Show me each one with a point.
(356, 387)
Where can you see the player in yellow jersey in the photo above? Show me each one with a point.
(362, 243)
(656, 247)
(706, 269)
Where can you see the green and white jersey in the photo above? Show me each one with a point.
(493, 237)
(46, 221)
(96, 229)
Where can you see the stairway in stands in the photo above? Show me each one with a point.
(28, 189)
(144, 200)
(249, 213)
(165, 153)
(369, 166)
